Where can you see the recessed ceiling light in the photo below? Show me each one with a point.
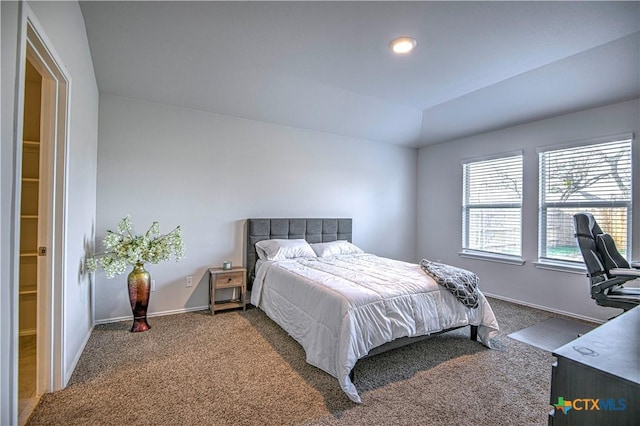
(403, 44)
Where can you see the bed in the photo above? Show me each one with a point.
(346, 304)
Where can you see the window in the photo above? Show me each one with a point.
(593, 176)
(491, 207)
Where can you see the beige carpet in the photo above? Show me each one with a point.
(239, 368)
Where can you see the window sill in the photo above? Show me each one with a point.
(511, 260)
(561, 267)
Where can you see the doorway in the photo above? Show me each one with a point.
(39, 220)
(29, 278)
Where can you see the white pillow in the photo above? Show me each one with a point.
(283, 249)
(334, 248)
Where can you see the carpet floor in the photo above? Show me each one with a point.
(240, 368)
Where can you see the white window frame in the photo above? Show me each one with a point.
(472, 253)
(546, 262)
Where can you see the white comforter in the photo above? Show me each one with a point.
(339, 308)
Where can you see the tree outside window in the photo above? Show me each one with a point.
(594, 177)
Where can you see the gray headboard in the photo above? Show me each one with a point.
(312, 230)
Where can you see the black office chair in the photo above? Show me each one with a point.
(606, 268)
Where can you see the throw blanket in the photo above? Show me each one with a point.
(461, 283)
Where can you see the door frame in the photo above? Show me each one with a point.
(54, 140)
(55, 102)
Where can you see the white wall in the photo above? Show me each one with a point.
(209, 172)
(440, 199)
(63, 25)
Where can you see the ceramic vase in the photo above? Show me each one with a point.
(139, 282)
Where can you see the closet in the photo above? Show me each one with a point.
(29, 251)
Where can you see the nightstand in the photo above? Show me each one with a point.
(234, 279)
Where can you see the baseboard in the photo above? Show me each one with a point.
(545, 308)
(155, 314)
(76, 359)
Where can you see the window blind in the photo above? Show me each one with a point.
(595, 178)
(491, 206)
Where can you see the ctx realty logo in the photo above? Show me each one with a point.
(589, 404)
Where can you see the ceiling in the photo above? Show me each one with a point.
(327, 66)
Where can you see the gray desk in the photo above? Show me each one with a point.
(603, 365)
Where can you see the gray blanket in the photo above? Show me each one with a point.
(461, 283)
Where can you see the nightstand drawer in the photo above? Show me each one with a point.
(229, 279)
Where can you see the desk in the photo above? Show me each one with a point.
(603, 365)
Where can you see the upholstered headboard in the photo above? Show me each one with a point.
(312, 230)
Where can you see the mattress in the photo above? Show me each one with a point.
(339, 308)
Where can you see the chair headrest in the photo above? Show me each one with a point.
(585, 225)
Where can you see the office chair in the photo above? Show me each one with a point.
(606, 268)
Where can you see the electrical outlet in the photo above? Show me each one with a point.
(153, 285)
(188, 281)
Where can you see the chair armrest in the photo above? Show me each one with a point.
(624, 272)
(602, 286)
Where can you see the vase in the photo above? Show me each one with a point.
(139, 282)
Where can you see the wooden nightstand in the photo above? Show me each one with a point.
(235, 279)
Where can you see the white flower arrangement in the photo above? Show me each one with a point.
(124, 248)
